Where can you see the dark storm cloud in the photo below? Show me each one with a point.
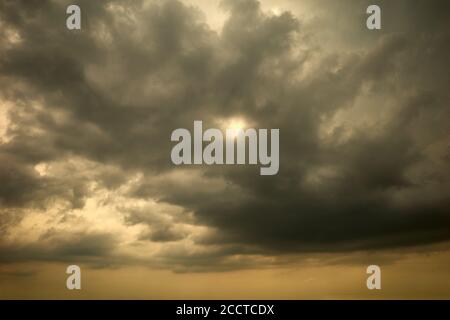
(162, 228)
(63, 246)
(164, 233)
(22, 186)
(113, 92)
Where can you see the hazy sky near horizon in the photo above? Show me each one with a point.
(86, 118)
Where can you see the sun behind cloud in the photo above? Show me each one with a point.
(235, 125)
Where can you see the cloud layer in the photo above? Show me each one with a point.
(87, 116)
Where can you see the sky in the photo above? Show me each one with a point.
(86, 176)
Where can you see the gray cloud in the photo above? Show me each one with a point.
(363, 120)
(81, 247)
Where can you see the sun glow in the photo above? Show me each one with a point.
(234, 126)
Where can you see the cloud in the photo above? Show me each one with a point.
(364, 136)
(81, 247)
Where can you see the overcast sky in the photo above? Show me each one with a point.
(86, 118)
